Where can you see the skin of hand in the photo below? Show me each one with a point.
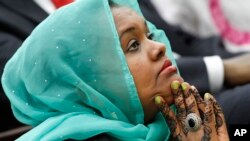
(237, 69)
(187, 100)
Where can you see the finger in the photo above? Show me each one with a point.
(220, 120)
(199, 101)
(178, 100)
(180, 104)
(169, 116)
(209, 119)
(190, 102)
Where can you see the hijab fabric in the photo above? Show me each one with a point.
(70, 79)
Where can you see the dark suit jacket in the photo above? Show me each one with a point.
(192, 48)
(17, 20)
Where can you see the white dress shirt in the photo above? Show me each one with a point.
(46, 5)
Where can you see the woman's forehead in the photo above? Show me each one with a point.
(125, 13)
(125, 17)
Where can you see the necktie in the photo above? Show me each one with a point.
(60, 3)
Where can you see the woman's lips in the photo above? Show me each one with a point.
(168, 68)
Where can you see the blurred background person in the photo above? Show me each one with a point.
(227, 19)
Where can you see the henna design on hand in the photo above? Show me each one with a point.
(207, 120)
(178, 93)
(187, 94)
(181, 111)
(189, 107)
(196, 94)
(207, 132)
(207, 116)
(171, 121)
(219, 121)
(184, 128)
(181, 119)
(218, 112)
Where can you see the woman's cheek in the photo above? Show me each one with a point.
(136, 69)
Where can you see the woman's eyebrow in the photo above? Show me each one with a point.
(130, 29)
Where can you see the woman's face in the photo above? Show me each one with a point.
(151, 69)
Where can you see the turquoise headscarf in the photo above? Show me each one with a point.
(70, 78)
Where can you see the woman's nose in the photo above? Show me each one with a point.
(157, 51)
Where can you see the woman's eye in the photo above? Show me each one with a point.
(133, 45)
(150, 36)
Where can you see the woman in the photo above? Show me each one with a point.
(93, 72)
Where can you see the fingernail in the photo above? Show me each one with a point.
(175, 85)
(192, 87)
(184, 86)
(158, 100)
(208, 97)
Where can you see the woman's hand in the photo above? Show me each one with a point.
(207, 112)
